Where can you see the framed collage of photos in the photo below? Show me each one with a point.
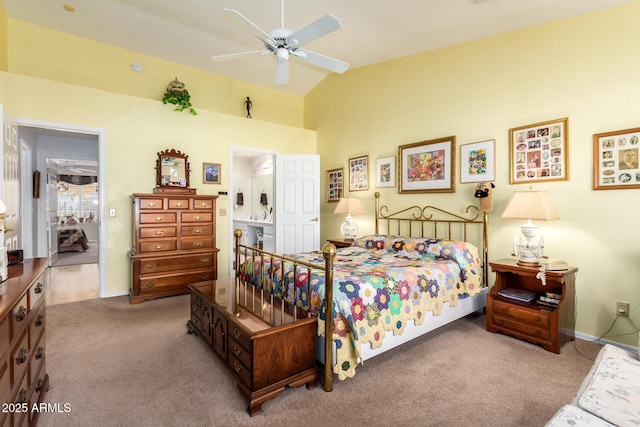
(539, 152)
(359, 173)
(615, 160)
(428, 166)
(335, 184)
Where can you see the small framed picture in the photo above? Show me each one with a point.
(359, 173)
(615, 160)
(428, 166)
(335, 184)
(386, 171)
(211, 173)
(477, 161)
(539, 152)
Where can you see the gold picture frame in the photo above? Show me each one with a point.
(428, 166)
(335, 184)
(539, 152)
(359, 173)
(615, 160)
(211, 173)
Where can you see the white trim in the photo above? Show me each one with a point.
(591, 338)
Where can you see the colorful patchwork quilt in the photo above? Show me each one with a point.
(380, 284)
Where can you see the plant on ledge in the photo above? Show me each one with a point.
(177, 95)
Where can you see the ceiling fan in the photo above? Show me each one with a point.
(283, 42)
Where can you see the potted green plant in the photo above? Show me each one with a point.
(178, 95)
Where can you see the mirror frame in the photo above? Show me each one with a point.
(177, 155)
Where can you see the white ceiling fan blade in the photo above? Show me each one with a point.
(322, 61)
(282, 72)
(232, 56)
(319, 28)
(249, 26)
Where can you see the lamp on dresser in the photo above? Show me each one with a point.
(528, 245)
(349, 205)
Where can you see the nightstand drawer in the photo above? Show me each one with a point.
(540, 332)
(535, 317)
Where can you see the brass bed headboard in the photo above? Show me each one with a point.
(430, 221)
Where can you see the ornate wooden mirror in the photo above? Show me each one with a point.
(172, 172)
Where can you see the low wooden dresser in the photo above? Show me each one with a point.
(549, 326)
(264, 359)
(174, 244)
(23, 375)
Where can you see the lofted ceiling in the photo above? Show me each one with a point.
(189, 32)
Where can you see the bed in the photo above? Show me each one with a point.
(72, 239)
(421, 269)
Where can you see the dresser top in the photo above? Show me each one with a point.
(21, 277)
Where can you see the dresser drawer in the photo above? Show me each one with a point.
(183, 262)
(37, 359)
(18, 317)
(178, 203)
(151, 203)
(197, 230)
(242, 371)
(157, 232)
(196, 243)
(158, 218)
(19, 357)
(5, 379)
(535, 317)
(4, 336)
(37, 326)
(540, 332)
(197, 217)
(36, 293)
(158, 246)
(152, 284)
(240, 336)
(202, 204)
(239, 351)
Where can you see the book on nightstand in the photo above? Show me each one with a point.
(520, 295)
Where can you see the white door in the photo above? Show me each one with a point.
(51, 209)
(297, 198)
(11, 182)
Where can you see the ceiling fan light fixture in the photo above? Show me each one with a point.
(282, 54)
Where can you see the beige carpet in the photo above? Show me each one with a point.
(118, 364)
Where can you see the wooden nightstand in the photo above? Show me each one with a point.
(549, 326)
(341, 243)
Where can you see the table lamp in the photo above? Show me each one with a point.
(3, 249)
(529, 244)
(349, 205)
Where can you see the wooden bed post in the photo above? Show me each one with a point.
(485, 249)
(329, 253)
(377, 200)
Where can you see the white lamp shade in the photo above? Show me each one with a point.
(531, 204)
(349, 205)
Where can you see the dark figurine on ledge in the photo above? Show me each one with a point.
(248, 104)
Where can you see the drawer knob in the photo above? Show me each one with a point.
(197, 231)
(39, 353)
(204, 204)
(38, 288)
(39, 320)
(150, 284)
(21, 314)
(204, 260)
(237, 367)
(197, 217)
(22, 356)
(537, 332)
(151, 204)
(197, 244)
(537, 319)
(204, 277)
(179, 204)
(159, 246)
(159, 232)
(237, 333)
(149, 266)
(22, 396)
(159, 218)
(237, 350)
(501, 322)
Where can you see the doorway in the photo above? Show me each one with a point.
(62, 150)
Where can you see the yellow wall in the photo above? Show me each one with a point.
(53, 55)
(3, 39)
(136, 130)
(585, 68)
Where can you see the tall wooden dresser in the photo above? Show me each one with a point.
(23, 375)
(174, 244)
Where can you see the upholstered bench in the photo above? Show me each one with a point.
(609, 395)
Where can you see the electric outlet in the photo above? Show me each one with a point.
(622, 309)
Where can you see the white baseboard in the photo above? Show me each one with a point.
(585, 337)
